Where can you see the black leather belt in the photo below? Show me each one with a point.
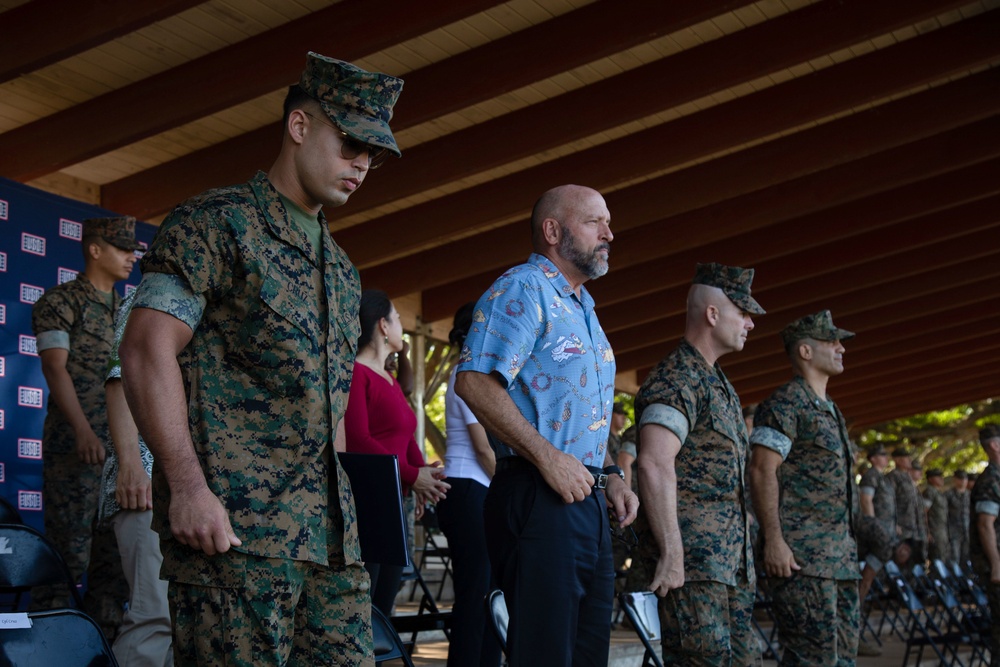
(512, 463)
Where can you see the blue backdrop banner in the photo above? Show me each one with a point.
(39, 248)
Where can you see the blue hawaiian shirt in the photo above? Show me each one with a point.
(549, 347)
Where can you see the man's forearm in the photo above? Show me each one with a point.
(154, 388)
(988, 538)
(867, 504)
(121, 426)
(496, 411)
(764, 493)
(63, 393)
(659, 492)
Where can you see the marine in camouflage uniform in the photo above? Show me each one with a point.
(256, 516)
(74, 327)
(876, 486)
(984, 531)
(958, 517)
(806, 500)
(909, 505)
(692, 433)
(937, 516)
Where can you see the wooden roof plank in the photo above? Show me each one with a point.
(177, 96)
(764, 48)
(43, 32)
(747, 179)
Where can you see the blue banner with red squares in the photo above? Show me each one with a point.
(39, 248)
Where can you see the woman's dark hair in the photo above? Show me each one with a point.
(375, 305)
(462, 324)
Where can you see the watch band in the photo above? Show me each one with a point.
(614, 470)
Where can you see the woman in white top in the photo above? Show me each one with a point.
(469, 466)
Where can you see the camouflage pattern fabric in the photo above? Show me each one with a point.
(70, 487)
(267, 375)
(958, 524)
(884, 500)
(710, 466)
(288, 612)
(937, 524)
(705, 623)
(986, 495)
(908, 503)
(818, 620)
(614, 445)
(78, 309)
(874, 540)
(818, 497)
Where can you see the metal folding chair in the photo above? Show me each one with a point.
(641, 609)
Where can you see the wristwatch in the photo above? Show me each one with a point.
(614, 470)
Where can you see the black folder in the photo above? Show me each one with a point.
(378, 498)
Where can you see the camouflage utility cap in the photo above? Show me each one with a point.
(732, 280)
(818, 327)
(935, 472)
(119, 231)
(877, 450)
(901, 451)
(358, 102)
(917, 465)
(989, 432)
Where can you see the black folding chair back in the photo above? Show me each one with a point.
(641, 609)
(923, 632)
(63, 637)
(27, 560)
(388, 645)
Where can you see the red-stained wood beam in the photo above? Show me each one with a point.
(905, 312)
(799, 254)
(43, 32)
(955, 277)
(568, 41)
(928, 383)
(753, 170)
(756, 360)
(657, 148)
(624, 283)
(940, 398)
(255, 66)
(885, 353)
(749, 54)
(893, 383)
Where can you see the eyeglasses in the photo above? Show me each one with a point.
(350, 148)
(624, 535)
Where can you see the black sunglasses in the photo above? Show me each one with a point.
(350, 148)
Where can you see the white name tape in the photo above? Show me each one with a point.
(14, 621)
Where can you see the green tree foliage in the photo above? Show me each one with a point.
(946, 439)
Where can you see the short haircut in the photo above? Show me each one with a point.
(296, 98)
(989, 432)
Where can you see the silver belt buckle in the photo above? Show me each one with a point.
(600, 481)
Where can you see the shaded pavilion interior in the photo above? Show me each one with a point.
(848, 150)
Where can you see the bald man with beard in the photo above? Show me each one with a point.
(539, 374)
(692, 464)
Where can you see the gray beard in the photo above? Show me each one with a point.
(589, 264)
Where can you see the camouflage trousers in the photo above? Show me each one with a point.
(71, 490)
(939, 547)
(705, 623)
(817, 620)
(292, 613)
(960, 549)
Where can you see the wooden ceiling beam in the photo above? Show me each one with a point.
(938, 323)
(886, 352)
(751, 181)
(39, 33)
(581, 36)
(940, 398)
(943, 380)
(211, 83)
(623, 283)
(793, 263)
(768, 47)
(666, 145)
(958, 275)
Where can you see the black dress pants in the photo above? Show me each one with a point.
(553, 562)
(460, 516)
